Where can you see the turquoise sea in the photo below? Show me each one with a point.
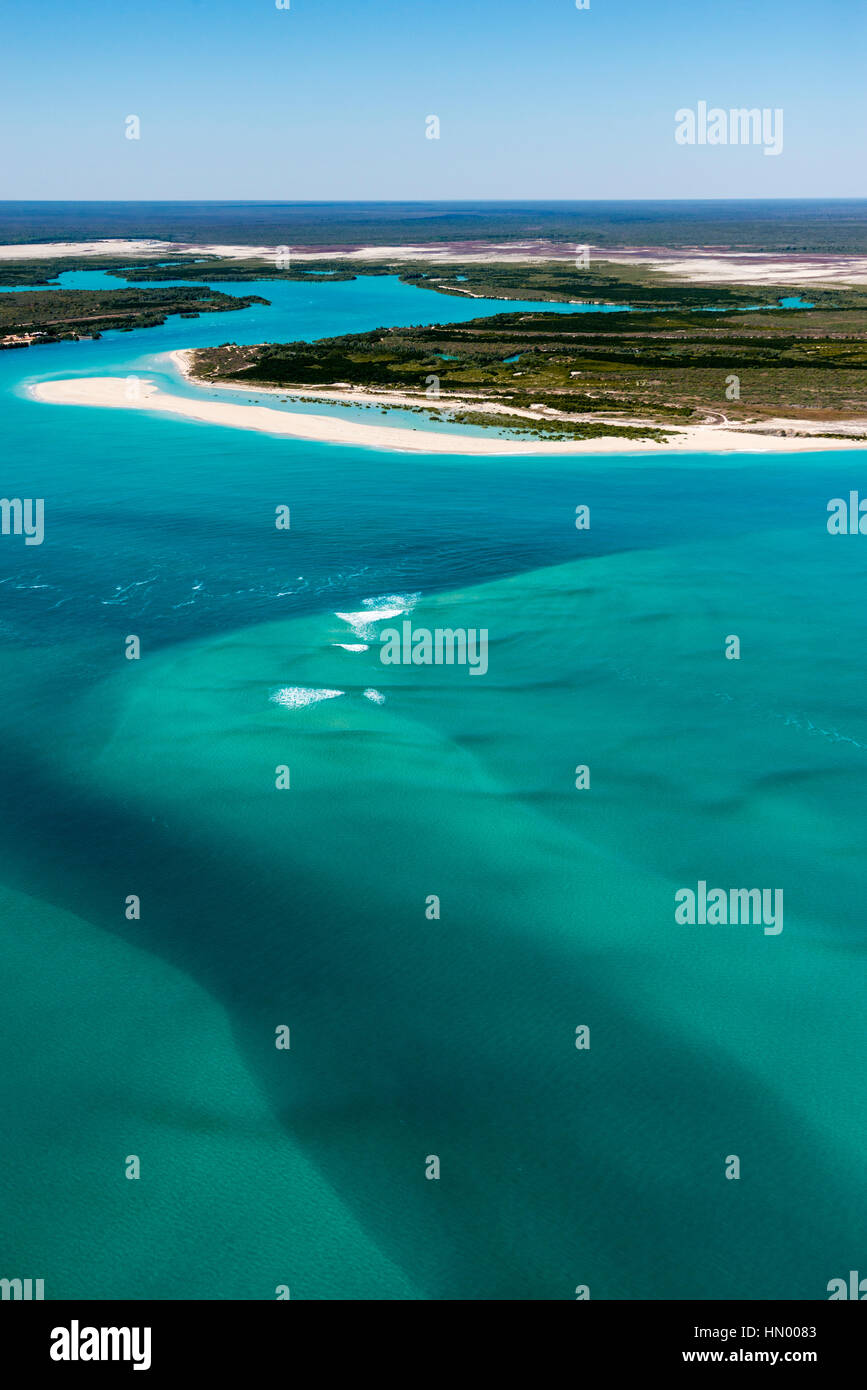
(306, 907)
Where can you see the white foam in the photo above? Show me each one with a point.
(404, 601)
(375, 695)
(297, 696)
(378, 610)
(351, 646)
(362, 623)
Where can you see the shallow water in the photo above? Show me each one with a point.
(306, 907)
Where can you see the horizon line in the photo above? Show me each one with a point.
(434, 202)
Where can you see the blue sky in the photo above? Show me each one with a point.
(328, 100)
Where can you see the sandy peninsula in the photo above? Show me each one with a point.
(138, 393)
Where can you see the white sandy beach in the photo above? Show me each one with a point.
(776, 428)
(747, 268)
(134, 393)
(45, 250)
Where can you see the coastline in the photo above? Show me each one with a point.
(116, 392)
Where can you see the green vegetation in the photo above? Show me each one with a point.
(664, 363)
(548, 429)
(666, 368)
(44, 272)
(46, 316)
